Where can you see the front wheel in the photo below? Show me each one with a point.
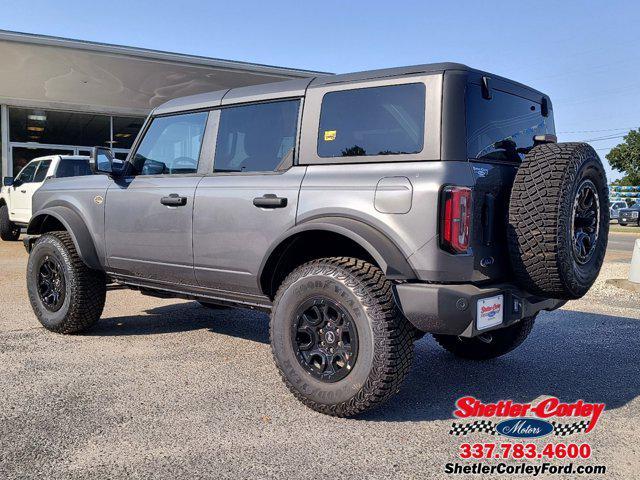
(487, 345)
(623, 224)
(337, 337)
(65, 294)
(9, 231)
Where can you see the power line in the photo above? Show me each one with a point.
(601, 130)
(599, 139)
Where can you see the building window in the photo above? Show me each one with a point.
(34, 133)
(125, 130)
(59, 128)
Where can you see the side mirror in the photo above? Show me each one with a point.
(7, 181)
(101, 160)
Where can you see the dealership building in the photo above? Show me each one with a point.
(62, 96)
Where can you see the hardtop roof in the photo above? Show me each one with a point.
(297, 87)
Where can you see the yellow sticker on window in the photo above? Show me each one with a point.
(330, 135)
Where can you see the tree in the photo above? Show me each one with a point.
(625, 157)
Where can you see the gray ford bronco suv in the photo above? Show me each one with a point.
(360, 210)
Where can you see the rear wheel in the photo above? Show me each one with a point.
(9, 231)
(337, 337)
(623, 224)
(66, 295)
(488, 345)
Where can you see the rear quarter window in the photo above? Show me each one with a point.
(385, 120)
(502, 128)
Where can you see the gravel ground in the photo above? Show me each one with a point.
(168, 389)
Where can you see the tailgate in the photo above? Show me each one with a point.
(490, 218)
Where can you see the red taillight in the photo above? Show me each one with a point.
(456, 219)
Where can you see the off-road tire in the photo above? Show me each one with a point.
(541, 220)
(502, 341)
(385, 337)
(85, 288)
(9, 231)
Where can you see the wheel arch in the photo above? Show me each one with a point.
(64, 218)
(331, 236)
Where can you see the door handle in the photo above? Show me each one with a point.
(23, 191)
(270, 200)
(174, 200)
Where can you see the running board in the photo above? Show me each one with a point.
(158, 288)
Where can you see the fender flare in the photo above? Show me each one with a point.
(382, 249)
(76, 227)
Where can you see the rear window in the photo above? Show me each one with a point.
(372, 121)
(503, 127)
(73, 168)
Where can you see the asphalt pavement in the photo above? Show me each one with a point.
(168, 389)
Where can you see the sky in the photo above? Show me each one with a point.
(584, 54)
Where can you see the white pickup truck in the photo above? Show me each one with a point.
(16, 193)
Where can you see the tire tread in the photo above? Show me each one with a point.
(87, 289)
(393, 334)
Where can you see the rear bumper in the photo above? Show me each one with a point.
(452, 309)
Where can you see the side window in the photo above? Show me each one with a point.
(372, 121)
(73, 168)
(41, 173)
(503, 127)
(257, 138)
(27, 173)
(171, 145)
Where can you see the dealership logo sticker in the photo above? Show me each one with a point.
(491, 310)
(98, 199)
(525, 420)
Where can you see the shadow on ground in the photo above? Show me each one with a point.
(185, 317)
(570, 355)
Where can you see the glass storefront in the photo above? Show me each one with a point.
(34, 133)
(23, 155)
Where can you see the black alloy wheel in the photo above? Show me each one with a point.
(586, 221)
(325, 339)
(51, 283)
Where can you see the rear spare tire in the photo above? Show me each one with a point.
(558, 220)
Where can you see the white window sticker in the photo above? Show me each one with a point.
(490, 312)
